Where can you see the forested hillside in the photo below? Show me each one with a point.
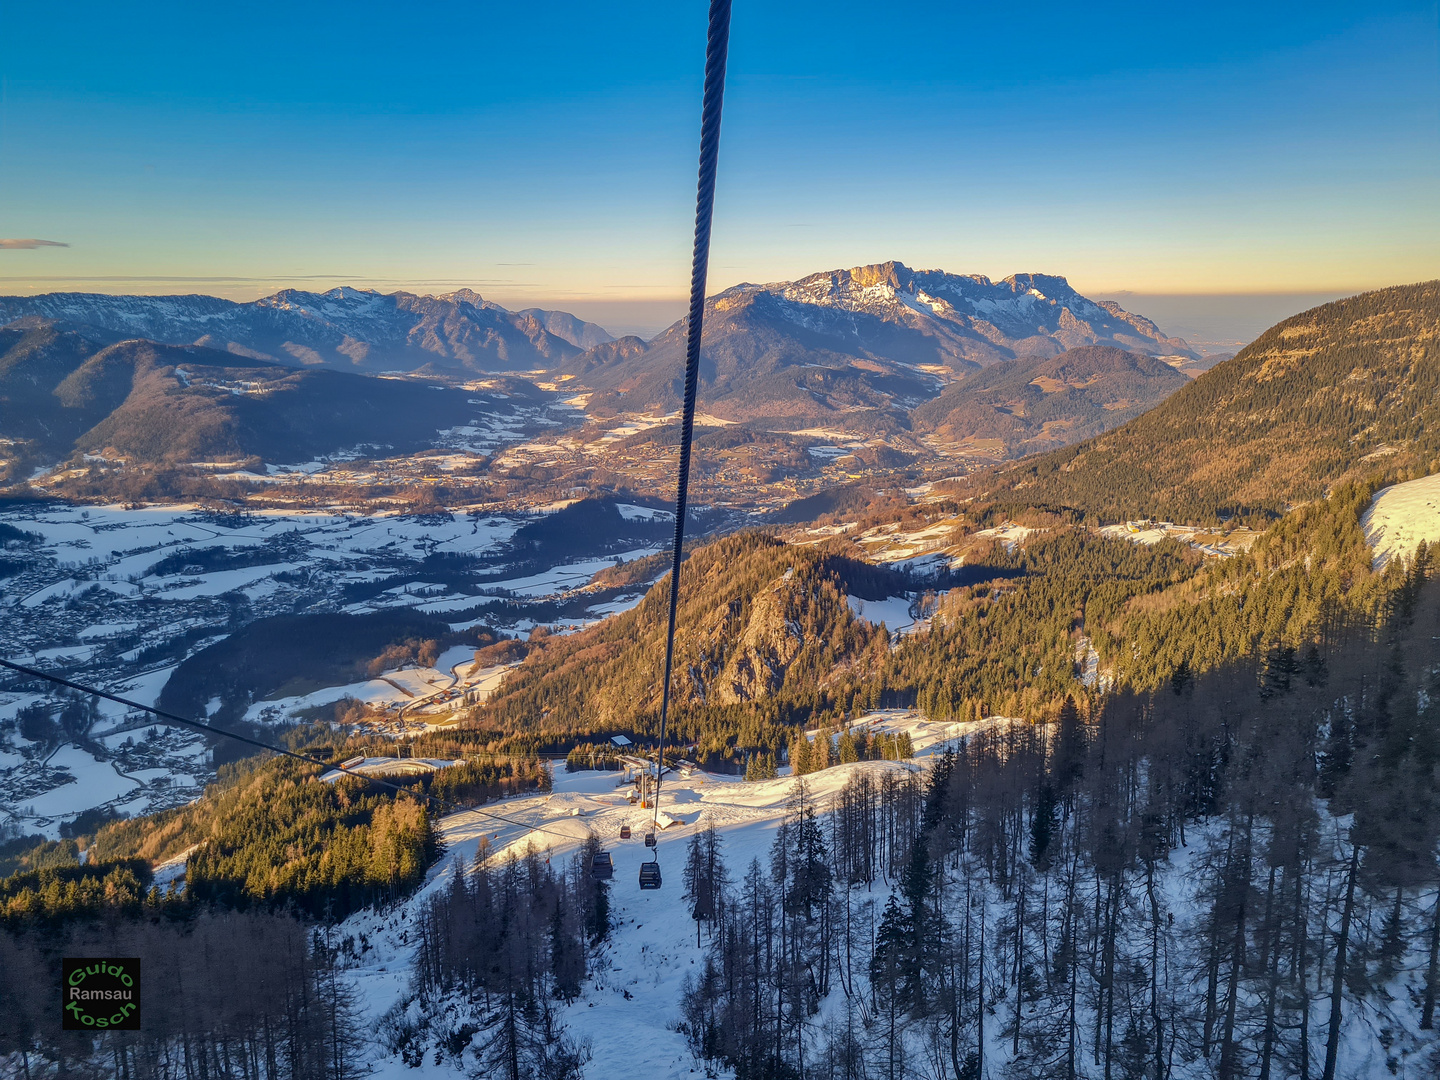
(1039, 403)
(61, 392)
(1011, 646)
(767, 638)
(764, 632)
(1225, 878)
(1340, 392)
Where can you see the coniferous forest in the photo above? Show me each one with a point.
(1206, 879)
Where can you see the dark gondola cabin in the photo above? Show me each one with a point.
(624, 832)
(650, 839)
(602, 868)
(650, 875)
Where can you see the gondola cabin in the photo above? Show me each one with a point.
(624, 832)
(650, 839)
(650, 875)
(602, 867)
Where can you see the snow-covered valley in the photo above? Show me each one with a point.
(117, 597)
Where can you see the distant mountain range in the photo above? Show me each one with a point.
(61, 393)
(1346, 390)
(349, 329)
(858, 349)
(867, 343)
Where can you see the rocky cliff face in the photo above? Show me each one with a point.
(756, 668)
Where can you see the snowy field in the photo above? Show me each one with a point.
(893, 611)
(1401, 516)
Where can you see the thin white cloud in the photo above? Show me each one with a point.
(28, 244)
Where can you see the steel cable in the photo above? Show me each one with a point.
(717, 48)
(262, 745)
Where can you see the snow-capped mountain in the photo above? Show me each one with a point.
(873, 338)
(967, 317)
(352, 329)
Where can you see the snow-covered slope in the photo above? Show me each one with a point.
(1403, 515)
(980, 319)
(630, 1010)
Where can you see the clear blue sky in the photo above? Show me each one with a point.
(545, 152)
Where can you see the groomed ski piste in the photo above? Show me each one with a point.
(629, 1008)
(628, 1016)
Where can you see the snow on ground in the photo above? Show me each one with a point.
(568, 576)
(1088, 660)
(107, 630)
(96, 783)
(376, 692)
(410, 687)
(923, 567)
(615, 607)
(893, 611)
(390, 766)
(145, 686)
(630, 1005)
(1009, 534)
(1206, 541)
(420, 681)
(223, 581)
(1401, 516)
(485, 681)
(631, 1002)
(926, 736)
(643, 513)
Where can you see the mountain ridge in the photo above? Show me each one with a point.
(345, 328)
(137, 399)
(1345, 390)
(868, 343)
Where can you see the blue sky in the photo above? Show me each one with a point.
(545, 153)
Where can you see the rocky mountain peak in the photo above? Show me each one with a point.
(895, 274)
(465, 296)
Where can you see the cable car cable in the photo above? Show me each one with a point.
(717, 48)
(261, 744)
